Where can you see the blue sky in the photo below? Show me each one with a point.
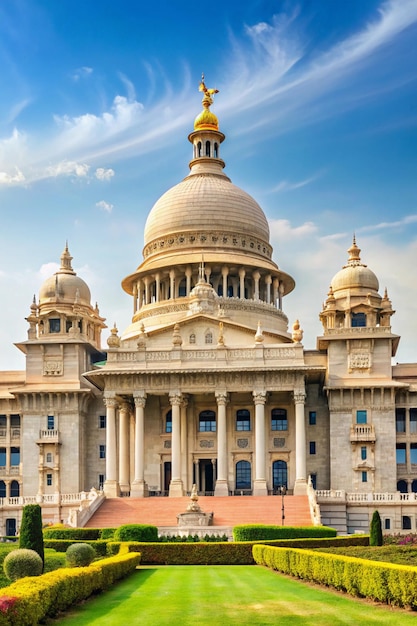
(318, 101)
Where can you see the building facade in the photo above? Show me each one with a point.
(210, 384)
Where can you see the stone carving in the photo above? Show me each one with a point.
(279, 442)
(194, 515)
(242, 443)
(53, 367)
(206, 443)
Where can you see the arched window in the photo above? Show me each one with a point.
(14, 489)
(207, 148)
(279, 419)
(243, 475)
(209, 337)
(406, 522)
(216, 150)
(199, 146)
(207, 422)
(414, 486)
(279, 474)
(192, 338)
(242, 420)
(168, 422)
(182, 289)
(358, 319)
(2, 489)
(402, 486)
(49, 457)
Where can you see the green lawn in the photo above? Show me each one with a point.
(224, 596)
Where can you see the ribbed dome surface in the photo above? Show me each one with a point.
(355, 277)
(66, 287)
(203, 201)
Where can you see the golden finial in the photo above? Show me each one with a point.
(208, 93)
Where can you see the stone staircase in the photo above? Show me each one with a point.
(228, 511)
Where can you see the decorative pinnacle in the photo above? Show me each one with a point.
(208, 93)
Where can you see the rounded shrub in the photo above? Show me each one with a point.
(136, 532)
(22, 562)
(80, 554)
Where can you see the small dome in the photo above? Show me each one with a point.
(355, 275)
(65, 285)
(206, 120)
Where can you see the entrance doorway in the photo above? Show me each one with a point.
(10, 527)
(167, 475)
(205, 479)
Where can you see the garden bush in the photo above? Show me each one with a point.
(375, 530)
(31, 535)
(136, 532)
(261, 532)
(74, 534)
(22, 562)
(107, 533)
(80, 554)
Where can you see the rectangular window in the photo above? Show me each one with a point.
(364, 477)
(413, 420)
(2, 457)
(55, 325)
(102, 451)
(312, 418)
(312, 447)
(168, 422)
(15, 421)
(3, 421)
(313, 480)
(363, 453)
(49, 480)
(101, 481)
(207, 426)
(14, 456)
(279, 419)
(361, 417)
(400, 420)
(387, 523)
(413, 453)
(51, 422)
(102, 421)
(400, 453)
(243, 420)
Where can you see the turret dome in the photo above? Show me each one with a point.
(65, 285)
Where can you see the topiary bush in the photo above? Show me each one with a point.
(262, 532)
(31, 535)
(80, 554)
(136, 532)
(375, 530)
(22, 562)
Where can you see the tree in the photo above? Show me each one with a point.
(31, 535)
(375, 530)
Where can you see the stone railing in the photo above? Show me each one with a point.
(374, 498)
(88, 505)
(362, 432)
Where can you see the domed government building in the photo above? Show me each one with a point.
(210, 384)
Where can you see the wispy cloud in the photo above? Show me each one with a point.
(404, 221)
(104, 206)
(285, 185)
(81, 72)
(282, 229)
(104, 174)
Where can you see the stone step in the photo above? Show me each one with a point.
(228, 511)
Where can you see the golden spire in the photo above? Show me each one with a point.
(208, 93)
(206, 120)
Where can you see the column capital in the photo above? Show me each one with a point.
(222, 397)
(259, 397)
(124, 406)
(110, 402)
(299, 396)
(139, 399)
(176, 398)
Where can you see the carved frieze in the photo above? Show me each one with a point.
(53, 367)
(206, 443)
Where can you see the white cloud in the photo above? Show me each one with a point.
(283, 230)
(82, 72)
(68, 168)
(285, 185)
(104, 174)
(10, 179)
(104, 206)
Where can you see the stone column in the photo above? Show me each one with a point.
(268, 282)
(176, 486)
(183, 431)
(300, 487)
(275, 285)
(111, 486)
(139, 487)
(197, 473)
(124, 456)
(259, 483)
(157, 286)
(172, 294)
(242, 274)
(225, 274)
(221, 488)
(188, 276)
(256, 276)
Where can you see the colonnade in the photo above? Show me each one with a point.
(117, 445)
(178, 282)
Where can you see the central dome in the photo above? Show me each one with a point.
(201, 202)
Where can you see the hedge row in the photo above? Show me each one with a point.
(261, 532)
(30, 600)
(76, 534)
(382, 582)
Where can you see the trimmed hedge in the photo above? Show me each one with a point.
(31, 600)
(261, 532)
(136, 532)
(378, 581)
(200, 553)
(61, 545)
(74, 534)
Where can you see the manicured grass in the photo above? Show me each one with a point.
(224, 596)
